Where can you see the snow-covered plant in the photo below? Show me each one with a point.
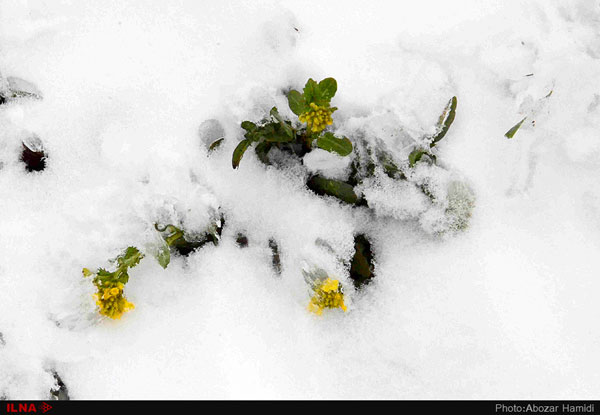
(326, 292)
(444, 123)
(314, 112)
(414, 188)
(369, 157)
(13, 88)
(177, 239)
(109, 296)
(438, 198)
(110, 284)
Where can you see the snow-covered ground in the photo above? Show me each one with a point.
(506, 309)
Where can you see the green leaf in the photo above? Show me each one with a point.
(104, 275)
(417, 154)
(274, 133)
(336, 188)
(163, 255)
(239, 151)
(287, 129)
(296, 102)
(130, 258)
(278, 137)
(390, 168)
(215, 144)
(174, 233)
(122, 276)
(248, 126)
(510, 133)
(327, 89)
(445, 121)
(262, 151)
(311, 91)
(175, 238)
(331, 143)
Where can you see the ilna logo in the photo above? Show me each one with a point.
(15, 408)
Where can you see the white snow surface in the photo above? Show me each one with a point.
(506, 309)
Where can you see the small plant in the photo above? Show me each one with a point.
(371, 162)
(110, 285)
(314, 112)
(184, 244)
(327, 292)
(109, 296)
(368, 158)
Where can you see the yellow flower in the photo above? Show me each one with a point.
(328, 294)
(318, 117)
(111, 301)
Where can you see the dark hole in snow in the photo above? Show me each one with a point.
(188, 247)
(34, 159)
(185, 247)
(361, 268)
(275, 255)
(241, 240)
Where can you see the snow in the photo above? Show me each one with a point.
(134, 91)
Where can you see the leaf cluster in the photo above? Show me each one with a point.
(279, 132)
(367, 159)
(314, 93)
(128, 259)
